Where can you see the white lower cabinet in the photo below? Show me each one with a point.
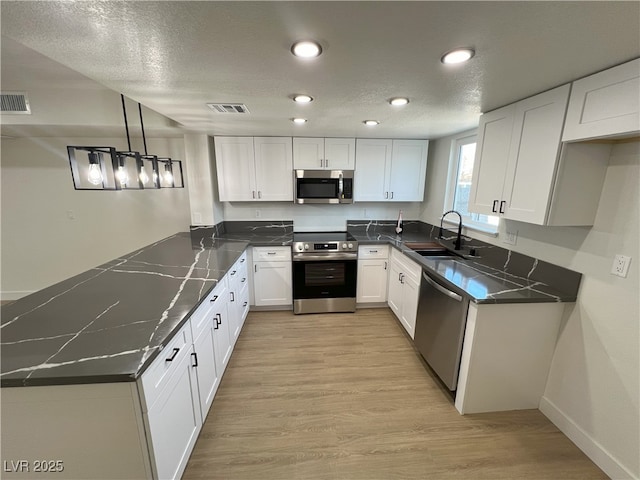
(178, 388)
(238, 296)
(404, 289)
(373, 273)
(272, 276)
(172, 406)
(506, 355)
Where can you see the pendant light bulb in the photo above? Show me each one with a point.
(144, 176)
(168, 176)
(121, 174)
(95, 174)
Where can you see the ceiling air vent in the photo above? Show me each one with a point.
(228, 107)
(14, 102)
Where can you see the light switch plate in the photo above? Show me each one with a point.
(620, 265)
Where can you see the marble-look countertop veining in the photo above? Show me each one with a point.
(109, 323)
(496, 275)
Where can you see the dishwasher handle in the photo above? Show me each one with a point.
(440, 288)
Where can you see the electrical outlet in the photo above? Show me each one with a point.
(510, 238)
(258, 213)
(620, 265)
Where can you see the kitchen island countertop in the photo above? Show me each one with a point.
(108, 324)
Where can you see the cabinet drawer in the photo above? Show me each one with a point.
(159, 373)
(373, 251)
(238, 271)
(272, 254)
(199, 319)
(407, 266)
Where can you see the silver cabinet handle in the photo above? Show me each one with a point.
(259, 194)
(392, 195)
(385, 265)
(386, 194)
(253, 193)
(233, 297)
(440, 288)
(321, 163)
(242, 260)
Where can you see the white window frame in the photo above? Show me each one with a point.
(469, 222)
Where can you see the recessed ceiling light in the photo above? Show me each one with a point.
(458, 55)
(302, 98)
(299, 121)
(398, 101)
(371, 123)
(306, 49)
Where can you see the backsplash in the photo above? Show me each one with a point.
(502, 260)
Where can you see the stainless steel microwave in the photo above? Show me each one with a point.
(324, 186)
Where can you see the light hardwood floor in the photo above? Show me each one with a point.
(346, 396)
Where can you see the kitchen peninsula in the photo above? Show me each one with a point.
(113, 345)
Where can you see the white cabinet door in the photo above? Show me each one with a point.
(533, 155)
(204, 362)
(395, 288)
(408, 170)
(236, 169)
(222, 326)
(373, 165)
(410, 297)
(492, 158)
(274, 168)
(308, 153)
(372, 280)
(174, 421)
(605, 104)
(272, 283)
(339, 153)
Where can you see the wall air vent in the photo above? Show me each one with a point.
(228, 107)
(14, 102)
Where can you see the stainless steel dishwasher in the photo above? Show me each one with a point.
(440, 324)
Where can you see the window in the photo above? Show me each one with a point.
(463, 150)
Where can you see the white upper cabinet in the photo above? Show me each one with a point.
(274, 168)
(523, 172)
(390, 170)
(605, 104)
(492, 157)
(324, 153)
(235, 166)
(254, 168)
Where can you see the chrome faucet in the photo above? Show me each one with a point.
(458, 243)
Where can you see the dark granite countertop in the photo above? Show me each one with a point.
(496, 275)
(109, 323)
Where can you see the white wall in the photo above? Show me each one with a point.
(42, 245)
(593, 390)
(319, 217)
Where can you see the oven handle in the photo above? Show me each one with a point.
(305, 257)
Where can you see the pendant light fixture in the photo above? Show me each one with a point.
(105, 168)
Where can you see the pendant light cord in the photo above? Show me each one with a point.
(126, 124)
(144, 139)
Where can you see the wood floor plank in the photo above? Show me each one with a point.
(346, 396)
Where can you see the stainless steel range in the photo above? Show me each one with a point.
(325, 266)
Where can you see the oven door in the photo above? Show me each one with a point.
(324, 279)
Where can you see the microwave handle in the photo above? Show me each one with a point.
(340, 186)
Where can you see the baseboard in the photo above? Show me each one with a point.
(10, 295)
(596, 452)
(270, 308)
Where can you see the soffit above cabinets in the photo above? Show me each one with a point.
(174, 57)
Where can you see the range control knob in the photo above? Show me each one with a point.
(306, 246)
(300, 247)
(350, 245)
(344, 245)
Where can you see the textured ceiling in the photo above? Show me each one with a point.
(174, 57)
